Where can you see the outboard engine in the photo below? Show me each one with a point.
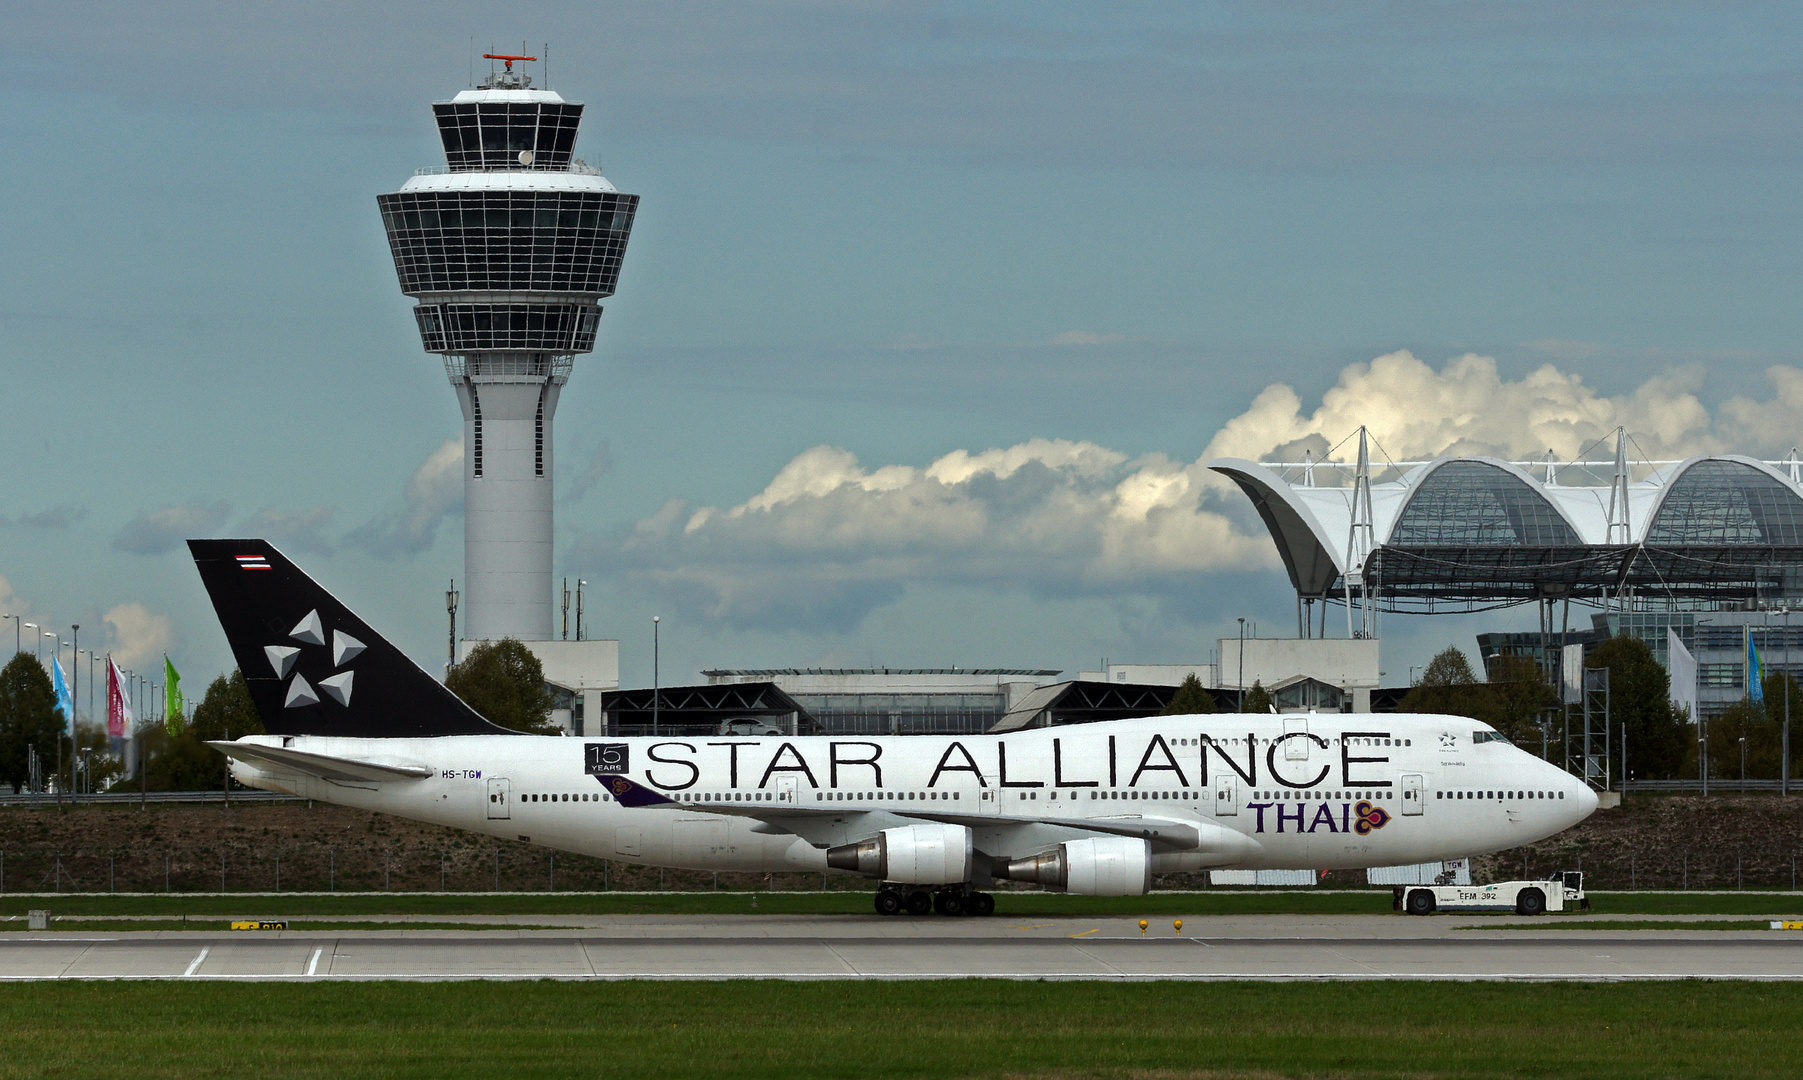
(1104, 866)
(926, 854)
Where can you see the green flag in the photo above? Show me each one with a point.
(172, 713)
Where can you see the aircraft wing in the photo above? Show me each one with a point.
(353, 770)
(1170, 833)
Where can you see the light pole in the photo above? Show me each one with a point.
(1743, 763)
(1703, 753)
(656, 681)
(40, 645)
(18, 646)
(1240, 679)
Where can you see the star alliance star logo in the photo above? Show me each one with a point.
(337, 686)
(1448, 740)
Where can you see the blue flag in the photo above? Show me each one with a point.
(1755, 671)
(65, 702)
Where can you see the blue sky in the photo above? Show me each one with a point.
(872, 236)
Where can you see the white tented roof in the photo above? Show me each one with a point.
(1484, 503)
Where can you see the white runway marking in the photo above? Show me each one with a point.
(313, 964)
(198, 960)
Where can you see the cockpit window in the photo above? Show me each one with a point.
(1479, 737)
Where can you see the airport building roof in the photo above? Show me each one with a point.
(1476, 531)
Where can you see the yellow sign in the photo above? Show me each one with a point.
(1776, 925)
(259, 926)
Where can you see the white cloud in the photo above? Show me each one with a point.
(136, 636)
(154, 532)
(829, 539)
(294, 531)
(434, 491)
(56, 517)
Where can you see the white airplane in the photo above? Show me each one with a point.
(1093, 809)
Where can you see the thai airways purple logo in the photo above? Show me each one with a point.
(1370, 817)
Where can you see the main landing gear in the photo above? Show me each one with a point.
(893, 899)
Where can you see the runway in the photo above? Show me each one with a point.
(1266, 948)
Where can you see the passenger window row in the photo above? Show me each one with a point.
(566, 797)
(1461, 793)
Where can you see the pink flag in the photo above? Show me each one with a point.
(118, 706)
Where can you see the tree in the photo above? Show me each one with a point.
(28, 717)
(1449, 687)
(1761, 724)
(1258, 699)
(185, 762)
(227, 711)
(1640, 700)
(504, 682)
(1519, 695)
(1190, 699)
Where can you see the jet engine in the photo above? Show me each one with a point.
(1103, 866)
(926, 854)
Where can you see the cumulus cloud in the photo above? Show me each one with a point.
(154, 532)
(433, 492)
(829, 539)
(137, 636)
(57, 517)
(294, 531)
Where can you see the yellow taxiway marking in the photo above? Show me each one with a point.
(1086, 933)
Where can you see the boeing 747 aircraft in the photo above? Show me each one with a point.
(1094, 809)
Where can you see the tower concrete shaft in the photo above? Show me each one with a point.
(508, 249)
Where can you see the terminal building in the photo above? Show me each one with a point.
(1709, 546)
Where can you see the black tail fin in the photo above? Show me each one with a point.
(312, 666)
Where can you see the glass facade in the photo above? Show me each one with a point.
(1728, 502)
(904, 714)
(465, 328)
(494, 135)
(1724, 675)
(508, 241)
(1476, 504)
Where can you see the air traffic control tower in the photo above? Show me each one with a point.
(509, 249)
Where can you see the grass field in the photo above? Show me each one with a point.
(1034, 904)
(141, 925)
(977, 1028)
(1626, 924)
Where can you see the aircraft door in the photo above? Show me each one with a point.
(1296, 749)
(989, 796)
(499, 798)
(1227, 794)
(785, 789)
(1412, 788)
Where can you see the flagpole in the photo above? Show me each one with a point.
(59, 756)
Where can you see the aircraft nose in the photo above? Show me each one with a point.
(1587, 800)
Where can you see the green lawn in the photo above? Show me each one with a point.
(119, 926)
(1025, 904)
(1626, 924)
(921, 1029)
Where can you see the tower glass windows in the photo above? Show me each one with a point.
(550, 328)
(492, 135)
(508, 241)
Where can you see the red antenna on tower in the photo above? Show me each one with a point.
(509, 59)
